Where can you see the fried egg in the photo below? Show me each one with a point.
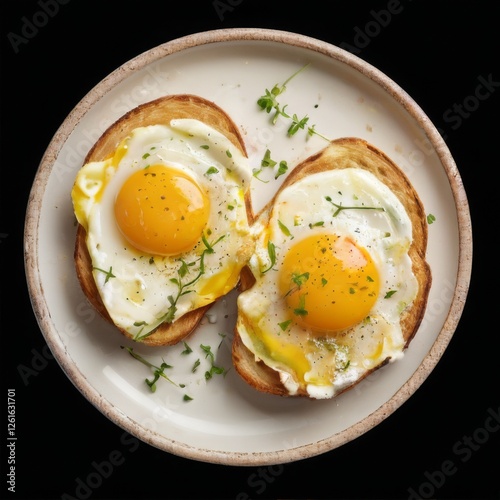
(332, 277)
(166, 222)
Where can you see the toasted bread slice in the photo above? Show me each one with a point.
(159, 111)
(347, 153)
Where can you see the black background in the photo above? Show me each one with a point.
(435, 50)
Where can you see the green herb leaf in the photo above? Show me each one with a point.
(297, 124)
(301, 310)
(267, 161)
(431, 219)
(214, 369)
(271, 250)
(284, 229)
(209, 247)
(316, 224)
(300, 279)
(268, 102)
(182, 272)
(187, 349)
(282, 169)
(284, 324)
(109, 274)
(208, 351)
(212, 170)
(158, 371)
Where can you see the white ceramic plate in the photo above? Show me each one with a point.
(227, 421)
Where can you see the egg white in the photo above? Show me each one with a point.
(137, 289)
(336, 359)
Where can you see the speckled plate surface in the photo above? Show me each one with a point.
(226, 421)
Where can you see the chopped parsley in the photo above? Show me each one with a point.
(271, 250)
(301, 310)
(212, 170)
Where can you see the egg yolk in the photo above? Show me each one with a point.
(161, 210)
(329, 282)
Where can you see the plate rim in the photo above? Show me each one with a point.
(35, 286)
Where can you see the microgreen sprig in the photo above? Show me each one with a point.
(158, 371)
(187, 349)
(268, 162)
(268, 102)
(109, 274)
(340, 207)
(214, 369)
(182, 286)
